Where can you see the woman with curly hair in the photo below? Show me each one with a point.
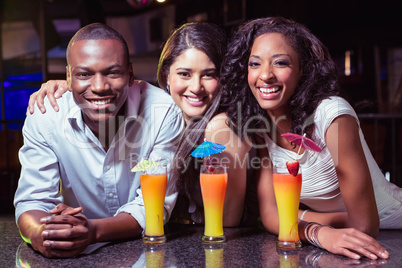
(277, 77)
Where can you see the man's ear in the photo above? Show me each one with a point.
(68, 78)
(130, 74)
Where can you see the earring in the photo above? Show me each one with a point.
(167, 88)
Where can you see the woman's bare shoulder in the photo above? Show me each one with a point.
(219, 121)
(219, 130)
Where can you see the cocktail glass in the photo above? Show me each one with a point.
(287, 194)
(213, 180)
(153, 186)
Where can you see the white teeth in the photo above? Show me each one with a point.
(193, 99)
(269, 90)
(100, 102)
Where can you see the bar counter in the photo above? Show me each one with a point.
(245, 247)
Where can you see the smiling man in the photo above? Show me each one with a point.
(76, 189)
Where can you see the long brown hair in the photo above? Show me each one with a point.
(211, 40)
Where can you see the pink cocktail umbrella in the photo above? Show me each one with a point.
(302, 141)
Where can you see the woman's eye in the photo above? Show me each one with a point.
(282, 63)
(210, 75)
(253, 64)
(184, 74)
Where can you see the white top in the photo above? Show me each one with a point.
(320, 187)
(63, 161)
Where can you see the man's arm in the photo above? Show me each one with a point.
(120, 227)
(31, 229)
(39, 185)
(66, 236)
(68, 232)
(168, 125)
(164, 149)
(54, 236)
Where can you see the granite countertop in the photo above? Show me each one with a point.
(245, 247)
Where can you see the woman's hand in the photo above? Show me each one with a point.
(322, 259)
(53, 89)
(351, 243)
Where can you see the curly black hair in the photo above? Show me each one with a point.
(319, 75)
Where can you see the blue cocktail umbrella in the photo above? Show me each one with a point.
(207, 148)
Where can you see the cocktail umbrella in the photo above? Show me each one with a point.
(302, 141)
(144, 165)
(207, 148)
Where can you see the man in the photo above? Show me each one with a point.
(80, 157)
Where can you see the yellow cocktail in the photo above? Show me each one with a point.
(213, 180)
(153, 187)
(287, 194)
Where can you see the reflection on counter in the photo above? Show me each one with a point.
(154, 258)
(245, 247)
(288, 258)
(214, 255)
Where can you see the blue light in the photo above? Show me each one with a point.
(16, 103)
(18, 88)
(26, 77)
(383, 75)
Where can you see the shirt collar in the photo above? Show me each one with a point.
(133, 100)
(74, 115)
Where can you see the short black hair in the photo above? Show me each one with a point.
(98, 31)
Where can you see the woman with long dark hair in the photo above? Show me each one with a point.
(286, 81)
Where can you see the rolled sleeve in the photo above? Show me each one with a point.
(39, 183)
(137, 210)
(162, 151)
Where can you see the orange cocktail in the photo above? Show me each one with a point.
(287, 194)
(153, 187)
(213, 180)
